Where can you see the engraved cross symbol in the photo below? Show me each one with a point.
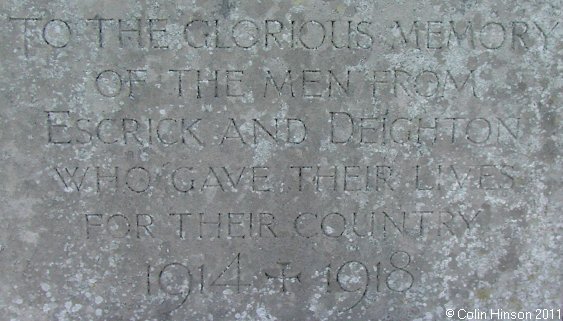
(283, 277)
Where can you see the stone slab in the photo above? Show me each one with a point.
(280, 160)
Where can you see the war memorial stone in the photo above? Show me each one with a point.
(281, 160)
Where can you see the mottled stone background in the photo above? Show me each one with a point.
(488, 238)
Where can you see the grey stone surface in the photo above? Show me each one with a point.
(280, 160)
